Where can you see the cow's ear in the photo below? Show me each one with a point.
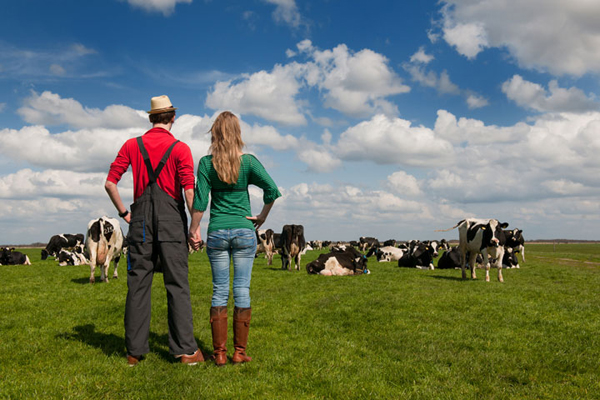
(504, 225)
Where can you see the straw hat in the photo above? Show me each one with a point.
(161, 104)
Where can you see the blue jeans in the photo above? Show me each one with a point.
(222, 246)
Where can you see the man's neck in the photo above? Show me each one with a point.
(164, 126)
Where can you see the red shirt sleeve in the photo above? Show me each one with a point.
(120, 165)
(185, 166)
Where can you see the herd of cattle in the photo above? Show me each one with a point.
(481, 242)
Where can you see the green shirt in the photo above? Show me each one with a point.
(230, 204)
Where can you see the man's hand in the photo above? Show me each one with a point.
(195, 240)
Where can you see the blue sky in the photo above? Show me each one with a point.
(383, 118)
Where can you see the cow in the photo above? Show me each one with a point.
(386, 253)
(347, 262)
(485, 236)
(266, 244)
(66, 257)
(365, 243)
(9, 256)
(510, 258)
(515, 241)
(450, 259)
(104, 244)
(420, 257)
(390, 242)
(316, 244)
(65, 241)
(292, 244)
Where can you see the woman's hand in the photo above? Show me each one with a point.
(257, 221)
(195, 239)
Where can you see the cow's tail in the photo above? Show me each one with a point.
(449, 229)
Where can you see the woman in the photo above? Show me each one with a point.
(225, 175)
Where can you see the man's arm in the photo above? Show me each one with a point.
(115, 197)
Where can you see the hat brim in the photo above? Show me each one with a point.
(162, 110)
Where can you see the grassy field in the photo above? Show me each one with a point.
(393, 334)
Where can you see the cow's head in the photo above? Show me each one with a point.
(44, 254)
(360, 264)
(493, 234)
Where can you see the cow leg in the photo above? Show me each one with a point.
(486, 262)
(116, 264)
(269, 257)
(472, 264)
(500, 277)
(92, 265)
(522, 250)
(463, 262)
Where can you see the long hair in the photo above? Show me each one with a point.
(225, 146)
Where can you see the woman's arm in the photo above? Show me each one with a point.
(261, 218)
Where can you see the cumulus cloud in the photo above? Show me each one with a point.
(559, 37)
(166, 7)
(476, 101)
(556, 99)
(50, 109)
(421, 57)
(318, 159)
(356, 84)
(403, 183)
(386, 140)
(428, 78)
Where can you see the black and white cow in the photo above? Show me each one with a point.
(292, 244)
(67, 241)
(390, 242)
(66, 257)
(266, 244)
(485, 236)
(8, 256)
(450, 259)
(104, 244)
(339, 263)
(365, 243)
(515, 241)
(420, 257)
(386, 253)
(510, 258)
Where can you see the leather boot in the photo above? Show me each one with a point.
(241, 326)
(218, 323)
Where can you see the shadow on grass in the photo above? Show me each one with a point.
(113, 345)
(449, 278)
(81, 281)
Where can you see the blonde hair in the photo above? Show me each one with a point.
(225, 145)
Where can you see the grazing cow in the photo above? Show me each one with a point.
(292, 244)
(483, 236)
(516, 241)
(347, 262)
(386, 253)
(420, 257)
(66, 257)
(266, 244)
(104, 244)
(65, 241)
(365, 243)
(9, 256)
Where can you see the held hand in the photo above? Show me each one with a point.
(195, 240)
(127, 218)
(257, 221)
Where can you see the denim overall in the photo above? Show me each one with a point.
(158, 236)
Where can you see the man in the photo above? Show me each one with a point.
(162, 166)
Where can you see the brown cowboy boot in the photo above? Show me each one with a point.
(241, 325)
(218, 322)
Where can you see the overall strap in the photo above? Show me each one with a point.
(153, 174)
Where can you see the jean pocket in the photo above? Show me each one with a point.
(244, 239)
(216, 243)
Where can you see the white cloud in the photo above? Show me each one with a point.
(357, 84)
(166, 7)
(50, 109)
(270, 95)
(56, 69)
(404, 184)
(531, 95)
(385, 140)
(421, 57)
(475, 101)
(561, 37)
(318, 159)
(286, 11)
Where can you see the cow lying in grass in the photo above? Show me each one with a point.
(11, 257)
(347, 262)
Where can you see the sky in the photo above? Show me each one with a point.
(390, 119)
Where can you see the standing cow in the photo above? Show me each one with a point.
(292, 244)
(483, 236)
(266, 244)
(104, 244)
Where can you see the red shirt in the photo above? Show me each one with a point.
(177, 173)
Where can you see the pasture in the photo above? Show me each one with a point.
(393, 334)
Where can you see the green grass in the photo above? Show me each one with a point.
(393, 334)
